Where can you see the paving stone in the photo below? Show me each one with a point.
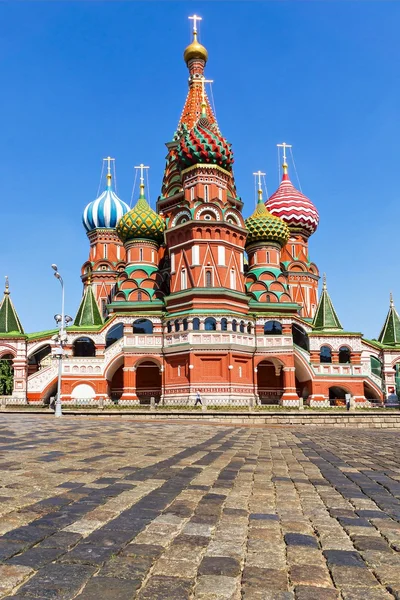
(259, 578)
(310, 575)
(159, 587)
(309, 592)
(365, 593)
(108, 588)
(57, 581)
(216, 587)
(219, 565)
(11, 576)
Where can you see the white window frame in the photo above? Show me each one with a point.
(221, 255)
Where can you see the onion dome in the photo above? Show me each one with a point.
(105, 211)
(141, 222)
(195, 50)
(295, 209)
(203, 144)
(262, 226)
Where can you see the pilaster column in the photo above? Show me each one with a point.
(335, 357)
(202, 323)
(190, 324)
(314, 357)
(289, 396)
(286, 329)
(129, 377)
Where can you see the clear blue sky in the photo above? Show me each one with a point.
(81, 80)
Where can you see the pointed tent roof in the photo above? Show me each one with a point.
(390, 334)
(325, 318)
(88, 312)
(9, 320)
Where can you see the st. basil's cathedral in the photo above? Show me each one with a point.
(193, 298)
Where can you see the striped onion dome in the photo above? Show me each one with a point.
(295, 209)
(105, 211)
(203, 144)
(262, 226)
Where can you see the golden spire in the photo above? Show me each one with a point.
(142, 167)
(324, 281)
(284, 145)
(195, 49)
(7, 288)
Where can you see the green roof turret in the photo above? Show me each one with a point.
(390, 334)
(9, 320)
(88, 312)
(325, 318)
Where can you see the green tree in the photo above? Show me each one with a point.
(6, 376)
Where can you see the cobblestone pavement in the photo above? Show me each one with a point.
(112, 509)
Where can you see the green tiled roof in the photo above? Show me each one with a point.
(9, 320)
(88, 312)
(390, 334)
(325, 318)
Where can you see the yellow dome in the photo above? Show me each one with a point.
(195, 50)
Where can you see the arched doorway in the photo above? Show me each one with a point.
(337, 396)
(269, 382)
(116, 385)
(148, 381)
(39, 359)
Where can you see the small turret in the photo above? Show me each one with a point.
(9, 320)
(390, 334)
(325, 318)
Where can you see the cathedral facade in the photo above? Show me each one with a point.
(194, 298)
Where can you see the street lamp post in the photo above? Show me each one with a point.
(62, 321)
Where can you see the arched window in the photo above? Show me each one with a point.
(241, 326)
(268, 258)
(234, 325)
(344, 355)
(376, 366)
(325, 354)
(140, 254)
(169, 327)
(268, 298)
(248, 327)
(210, 324)
(300, 337)
(196, 324)
(176, 323)
(114, 334)
(139, 297)
(142, 326)
(208, 279)
(185, 324)
(84, 346)
(224, 324)
(7, 375)
(272, 328)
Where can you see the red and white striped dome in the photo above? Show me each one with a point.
(295, 209)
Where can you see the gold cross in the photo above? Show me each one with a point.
(109, 159)
(259, 174)
(195, 18)
(142, 168)
(284, 146)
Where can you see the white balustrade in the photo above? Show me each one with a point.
(38, 381)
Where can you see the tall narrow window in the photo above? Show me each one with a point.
(139, 296)
(268, 257)
(208, 279)
(255, 258)
(141, 254)
(240, 371)
(293, 250)
(221, 255)
(152, 256)
(172, 262)
(196, 255)
(241, 262)
(220, 193)
(233, 280)
(206, 193)
(119, 252)
(105, 251)
(192, 193)
(179, 370)
(183, 279)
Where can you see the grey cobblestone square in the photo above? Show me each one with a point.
(187, 511)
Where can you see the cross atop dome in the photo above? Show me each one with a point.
(142, 167)
(258, 175)
(195, 51)
(284, 145)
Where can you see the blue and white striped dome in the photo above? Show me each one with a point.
(105, 211)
